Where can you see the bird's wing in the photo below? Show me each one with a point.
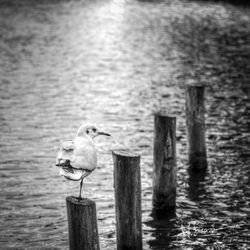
(66, 152)
(74, 175)
(68, 145)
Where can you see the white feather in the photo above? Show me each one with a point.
(81, 153)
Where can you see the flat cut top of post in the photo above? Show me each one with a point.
(81, 202)
(195, 86)
(125, 153)
(163, 114)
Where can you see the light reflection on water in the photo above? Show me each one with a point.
(113, 63)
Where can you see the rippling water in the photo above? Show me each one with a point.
(115, 62)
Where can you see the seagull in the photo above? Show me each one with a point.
(77, 158)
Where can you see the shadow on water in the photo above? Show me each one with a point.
(233, 2)
(172, 229)
(151, 1)
(164, 228)
(197, 185)
(214, 48)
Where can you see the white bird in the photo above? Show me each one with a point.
(78, 158)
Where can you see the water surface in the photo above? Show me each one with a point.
(115, 63)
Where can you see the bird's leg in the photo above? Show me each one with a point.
(80, 189)
(83, 176)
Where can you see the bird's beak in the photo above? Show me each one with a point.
(103, 133)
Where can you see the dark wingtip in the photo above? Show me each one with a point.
(64, 164)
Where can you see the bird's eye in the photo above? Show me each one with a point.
(94, 129)
(87, 132)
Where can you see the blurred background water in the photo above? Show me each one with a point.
(114, 63)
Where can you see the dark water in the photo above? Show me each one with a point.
(115, 63)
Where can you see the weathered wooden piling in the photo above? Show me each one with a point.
(82, 222)
(195, 121)
(164, 171)
(127, 184)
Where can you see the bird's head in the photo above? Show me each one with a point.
(91, 131)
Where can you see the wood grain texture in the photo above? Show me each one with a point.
(82, 222)
(127, 183)
(164, 172)
(195, 110)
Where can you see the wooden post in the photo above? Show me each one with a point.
(196, 127)
(83, 231)
(127, 184)
(164, 172)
